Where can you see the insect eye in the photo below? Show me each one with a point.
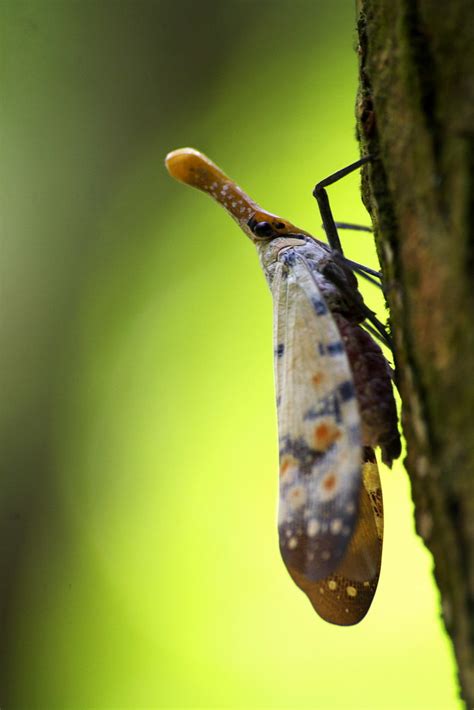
(263, 229)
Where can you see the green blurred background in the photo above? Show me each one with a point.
(139, 557)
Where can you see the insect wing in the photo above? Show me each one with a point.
(319, 427)
(327, 524)
(345, 596)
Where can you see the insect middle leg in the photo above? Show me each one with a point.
(355, 227)
(365, 271)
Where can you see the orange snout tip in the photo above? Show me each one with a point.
(190, 166)
(178, 162)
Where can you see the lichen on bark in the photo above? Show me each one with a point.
(415, 115)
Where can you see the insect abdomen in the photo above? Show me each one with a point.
(374, 391)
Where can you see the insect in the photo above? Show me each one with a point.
(334, 397)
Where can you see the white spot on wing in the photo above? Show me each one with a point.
(335, 526)
(313, 527)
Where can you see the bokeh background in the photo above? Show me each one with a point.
(139, 557)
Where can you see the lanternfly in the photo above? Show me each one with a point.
(334, 396)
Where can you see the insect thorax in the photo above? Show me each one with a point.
(272, 252)
(288, 252)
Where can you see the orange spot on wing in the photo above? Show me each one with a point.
(286, 463)
(325, 434)
(317, 378)
(329, 482)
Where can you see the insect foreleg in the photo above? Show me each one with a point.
(322, 199)
(330, 227)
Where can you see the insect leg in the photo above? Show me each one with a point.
(361, 271)
(371, 275)
(375, 333)
(361, 267)
(330, 227)
(322, 199)
(350, 225)
(375, 325)
(364, 311)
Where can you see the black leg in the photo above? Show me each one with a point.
(373, 325)
(361, 267)
(332, 272)
(355, 227)
(365, 271)
(385, 340)
(322, 199)
(365, 275)
(377, 327)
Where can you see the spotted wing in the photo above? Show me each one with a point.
(327, 522)
(344, 597)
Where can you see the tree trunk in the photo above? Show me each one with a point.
(415, 113)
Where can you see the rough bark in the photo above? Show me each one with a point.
(415, 114)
